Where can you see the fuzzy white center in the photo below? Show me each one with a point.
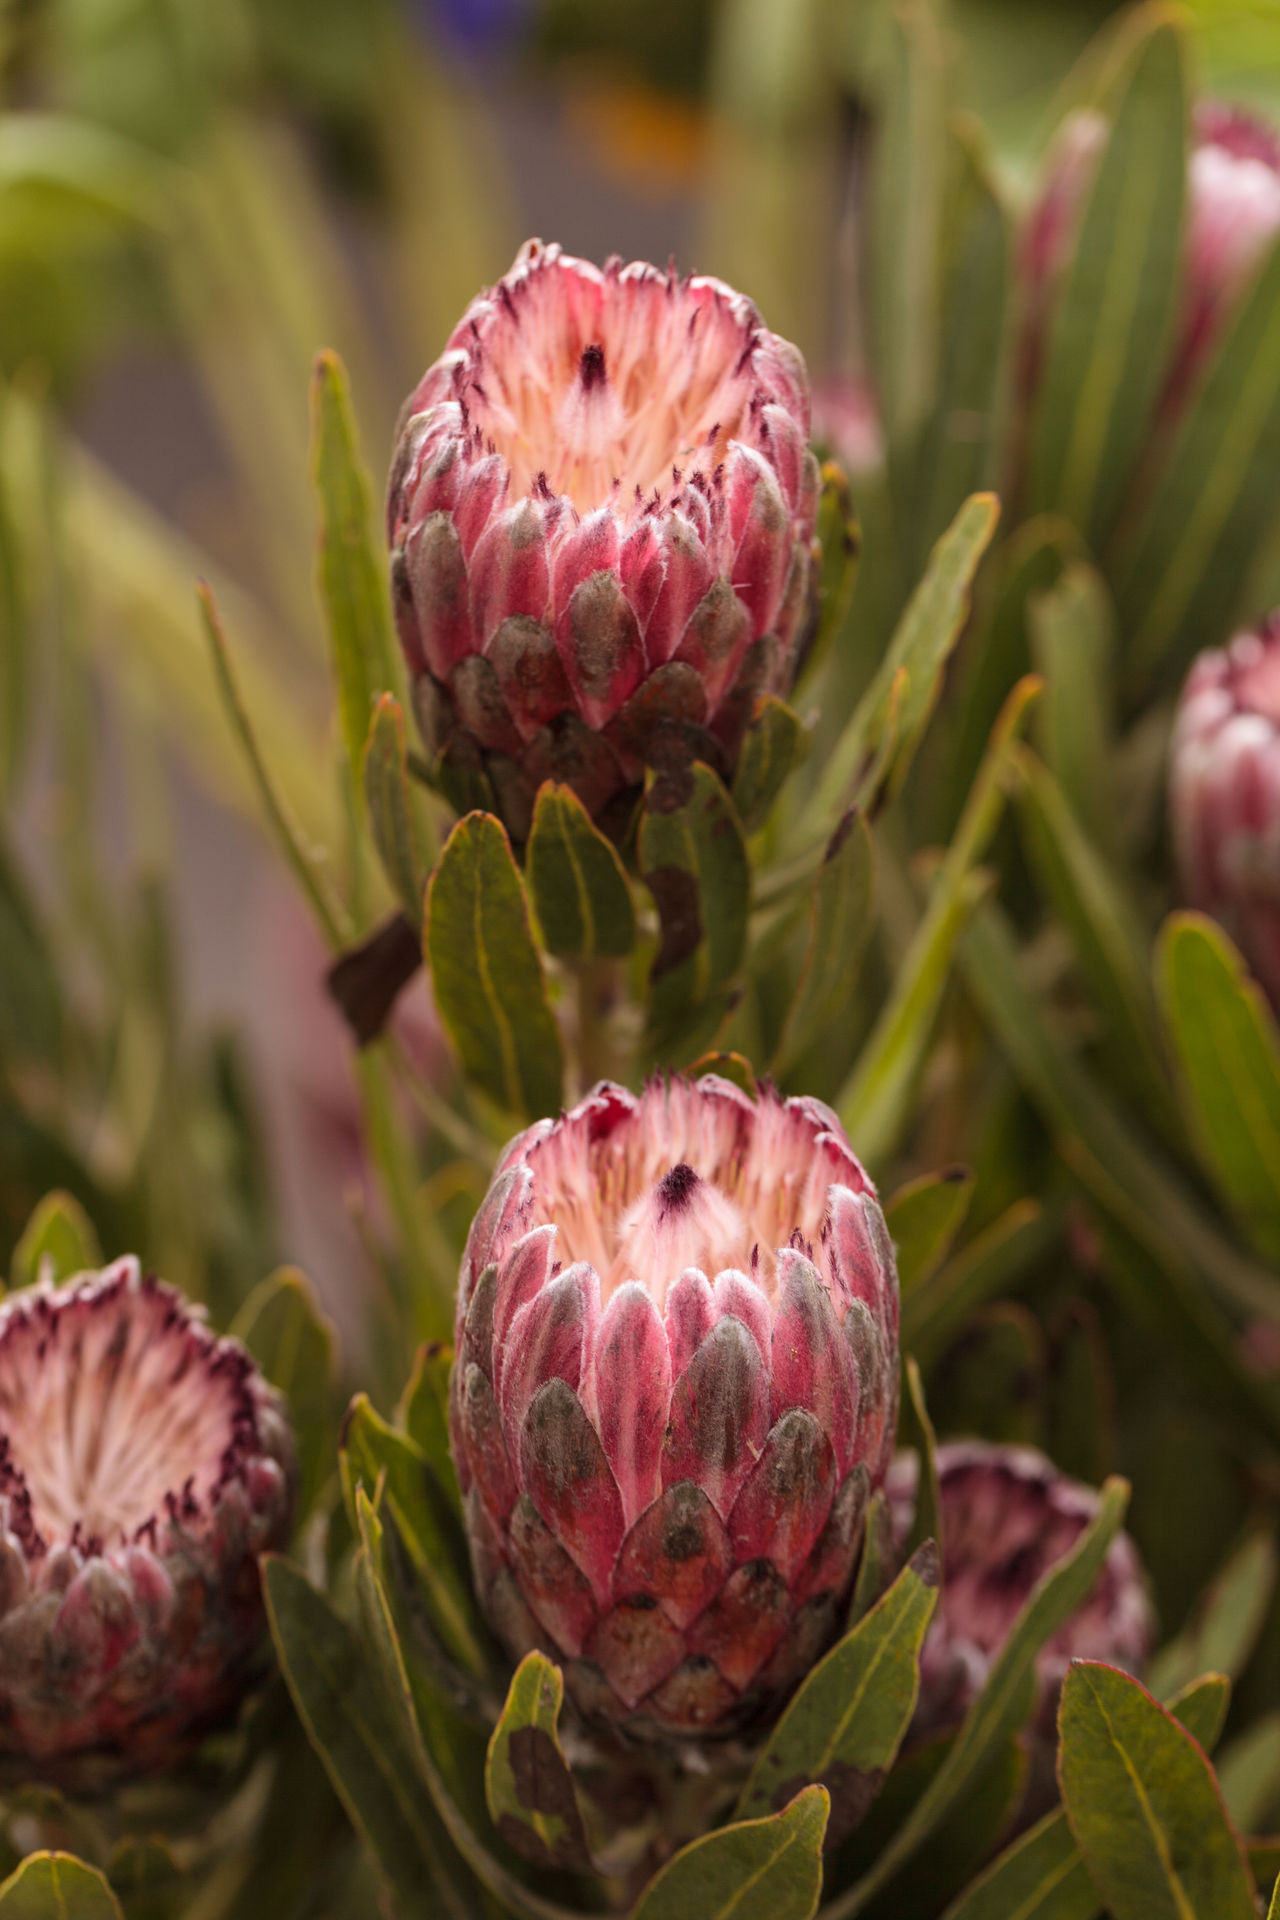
(597, 384)
(119, 1410)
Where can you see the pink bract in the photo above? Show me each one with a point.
(1224, 793)
(144, 1465)
(601, 515)
(676, 1384)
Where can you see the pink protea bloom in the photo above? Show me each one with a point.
(1233, 217)
(601, 515)
(144, 1465)
(1008, 1516)
(676, 1382)
(1224, 793)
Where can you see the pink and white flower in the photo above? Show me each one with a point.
(676, 1384)
(601, 515)
(144, 1466)
(1224, 793)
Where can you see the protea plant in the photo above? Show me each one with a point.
(1007, 1517)
(144, 1466)
(601, 516)
(676, 1384)
(1224, 790)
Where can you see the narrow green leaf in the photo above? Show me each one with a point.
(305, 863)
(1005, 1700)
(352, 579)
(922, 642)
(293, 1343)
(1226, 1621)
(532, 1799)
(841, 542)
(1073, 644)
(1177, 578)
(770, 748)
(423, 1414)
(1229, 1051)
(395, 1474)
(1249, 1773)
(57, 1886)
(391, 815)
(487, 971)
(576, 881)
(935, 1310)
(924, 1218)
(1041, 1876)
(1112, 317)
(841, 916)
(875, 1103)
(916, 1433)
(767, 1869)
(352, 1730)
(878, 1561)
(1144, 1806)
(694, 861)
(845, 1725)
(1273, 1910)
(59, 1239)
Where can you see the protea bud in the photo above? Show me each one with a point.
(144, 1465)
(600, 515)
(1224, 793)
(676, 1382)
(1007, 1517)
(1233, 216)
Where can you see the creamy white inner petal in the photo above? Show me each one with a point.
(684, 1182)
(595, 383)
(119, 1410)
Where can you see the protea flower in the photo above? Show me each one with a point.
(1224, 792)
(676, 1382)
(1233, 216)
(600, 514)
(144, 1465)
(1007, 1516)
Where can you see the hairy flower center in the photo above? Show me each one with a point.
(674, 1187)
(114, 1408)
(596, 383)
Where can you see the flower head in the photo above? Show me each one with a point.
(676, 1382)
(1224, 793)
(144, 1465)
(1233, 216)
(1007, 1517)
(600, 514)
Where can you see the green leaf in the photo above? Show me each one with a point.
(32, 1017)
(57, 1886)
(916, 1433)
(1005, 1700)
(841, 916)
(58, 1240)
(532, 1799)
(767, 1869)
(487, 971)
(1226, 1621)
(840, 541)
(423, 1414)
(293, 1343)
(395, 1474)
(1113, 313)
(845, 1725)
(770, 748)
(878, 1561)
(352, 578)
(1249, 1773)
(391, 816)
(355, 1734)
(1177, 579)
(694, 862)
(304, 862)
(922, 643)
(576, 881)
(963, 1839)
(1229, 1051)
(1273, 1910)
(935, 1310)
(1144, 1805)
(924, 1218)
(1041, 1876)
(906, 219)
(875, 1103)
(1073, 643)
